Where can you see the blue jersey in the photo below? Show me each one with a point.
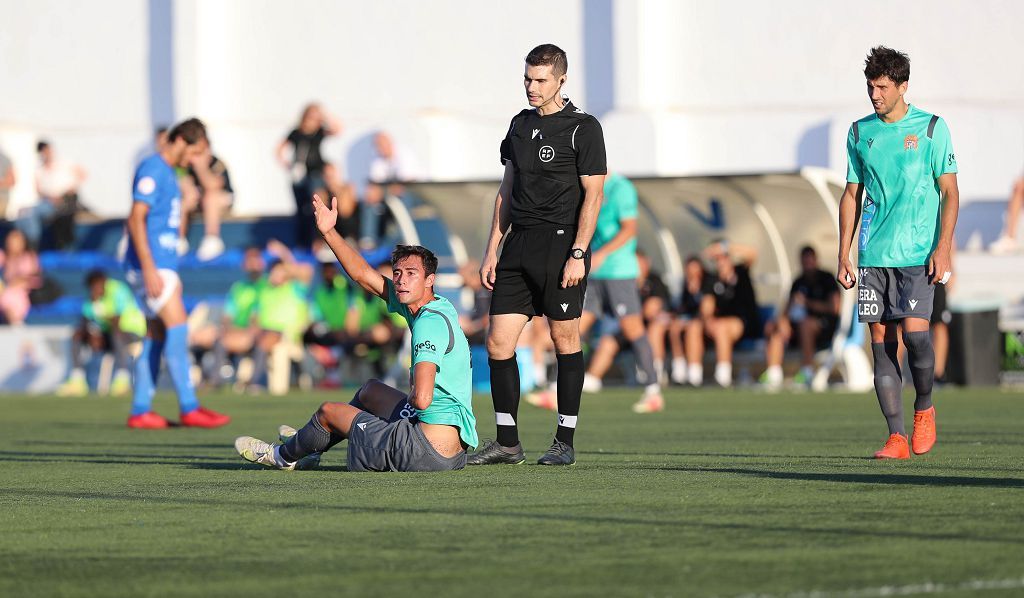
(156, 185)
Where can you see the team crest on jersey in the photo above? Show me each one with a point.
(146, 185)
(910, 142)
(546, 153)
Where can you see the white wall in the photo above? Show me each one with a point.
(696, 86)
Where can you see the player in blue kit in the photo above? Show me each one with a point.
(151, 265)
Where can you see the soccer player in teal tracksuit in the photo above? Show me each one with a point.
(902, 166)
(387, 430)
(151, 268)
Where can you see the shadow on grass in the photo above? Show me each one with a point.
(728, 455)
(895, 479)
(549, 516)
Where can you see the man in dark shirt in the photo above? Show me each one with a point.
(812, 312)
(729, 307)
(206, 186)
(548, 203)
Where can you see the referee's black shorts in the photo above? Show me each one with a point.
(529, 275)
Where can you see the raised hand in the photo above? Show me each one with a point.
(326, 217)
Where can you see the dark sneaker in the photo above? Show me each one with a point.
(494, 454)
(560, 453)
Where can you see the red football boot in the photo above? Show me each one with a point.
(204, 418)
(148, 421)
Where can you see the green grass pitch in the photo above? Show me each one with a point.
(724, 494)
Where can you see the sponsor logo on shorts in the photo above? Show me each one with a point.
(620, 309)
(425, 346)
(913, 303)
(546, 153)
(565, 307)
(362, 425)
(867, 304)
(910, 142)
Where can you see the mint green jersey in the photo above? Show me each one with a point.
(899, 165)
(620, 203)
(437, 338)
(117, 301)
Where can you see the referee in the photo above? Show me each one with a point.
(545, 211)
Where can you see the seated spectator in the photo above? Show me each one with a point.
(7, 180)
(686, 332)
(21, 276)
(57, 183)
(729, 308)
(389, 169)
(237, 332)
(808, 321)
(1007, 241)
(206, 186)
(474, 323)
(111, 322)
(282, 309)
(334, 321)
(307, 166)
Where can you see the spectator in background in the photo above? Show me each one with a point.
(334, 320)
(57, 183)
(7, 180)
(809, 320)
(389, 169)
(729, 308)
(21, 276)
(686, 332)
(307, 166)
(1007, 241)
(111, 321)
(474, 323)
(237, 332)
(282, 311)
(206, 186)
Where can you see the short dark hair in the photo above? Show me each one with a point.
(549, 55)
(191, 130)
(807, 249)
(43, 144)
(403, 251)
(94, 276)
(886, 62)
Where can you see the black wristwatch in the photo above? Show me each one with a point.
(577, 253)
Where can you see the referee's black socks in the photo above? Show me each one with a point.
(505, 396)
(570, 388)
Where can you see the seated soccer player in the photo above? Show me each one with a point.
(809, 321)
(729, 308)
(387, 430)
(111, 321)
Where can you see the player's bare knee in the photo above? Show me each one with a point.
(499, 347)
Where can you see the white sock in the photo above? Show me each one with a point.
(679, 370)
(695, 374)
(774, 374)
(591, 383)
(77, 374)
(723, 373)
(540, 374)
(652, 389)
(279, 459)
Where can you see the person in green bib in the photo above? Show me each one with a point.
(901, 176)
(427, 430)
(332, 321)
(111, 321)
(282, 307)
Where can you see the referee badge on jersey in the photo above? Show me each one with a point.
(910, 142)
(546, 153)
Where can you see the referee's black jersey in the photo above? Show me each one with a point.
(549, 155)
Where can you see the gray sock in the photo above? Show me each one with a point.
(921, 356)
(889, 385)
(311, 438)
(645, 359)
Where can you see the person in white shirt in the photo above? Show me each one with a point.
(57, 184)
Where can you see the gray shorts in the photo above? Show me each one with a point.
(616, 297)
(376, 444)
(885, 294)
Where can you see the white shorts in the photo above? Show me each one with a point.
(151, 306)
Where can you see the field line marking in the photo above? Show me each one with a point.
(907, 590)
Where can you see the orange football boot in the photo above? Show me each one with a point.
(924, 431)
(896, 447)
